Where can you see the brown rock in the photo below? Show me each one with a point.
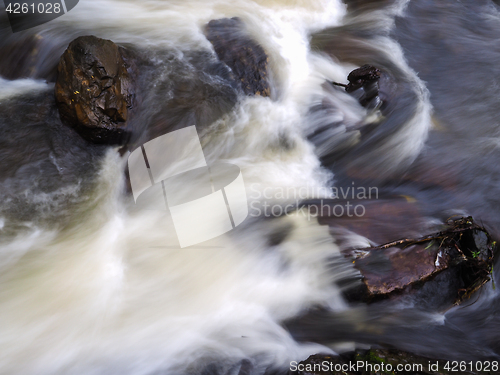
(247, 59)
(94, 90)
(386, 271)
(398, 265)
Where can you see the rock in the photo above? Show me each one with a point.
(41, 157)
(179, 91)
(247, 60)
(463, 248)
(358, 77)
(94, 89)
(363, 84)
(435, 271)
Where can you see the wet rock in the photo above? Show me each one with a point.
(48, 172)
(359, 77)
(180, 91)
(363, 84)
(247, 59)
(94, 89)
(463, 249)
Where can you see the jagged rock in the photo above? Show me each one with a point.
(247, 60)
(94, 89)
(435, 271)
(359, 77)
(363, 84)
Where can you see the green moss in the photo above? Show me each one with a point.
(372, 357)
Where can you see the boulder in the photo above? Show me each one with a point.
(94, 89)
(247, 59)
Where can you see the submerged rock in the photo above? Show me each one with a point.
(247, 59)
(48, 172)
(20, 57)
(94, 89)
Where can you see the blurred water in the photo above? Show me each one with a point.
(90, 285)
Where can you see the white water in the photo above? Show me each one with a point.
(113, 294)
(10, 89)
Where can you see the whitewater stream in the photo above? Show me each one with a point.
(89, 284)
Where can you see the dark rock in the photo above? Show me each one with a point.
(406, 265)
(363, 84)
(435, 271)
(247, 60)
(94, 89)
(387, 271)
(48, 172)
(358, 77)
(178, 91)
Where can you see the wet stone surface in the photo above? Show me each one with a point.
(246, 58)
(94, 89)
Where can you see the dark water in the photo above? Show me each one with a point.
(454, 48)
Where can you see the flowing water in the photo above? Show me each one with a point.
(91, 285)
